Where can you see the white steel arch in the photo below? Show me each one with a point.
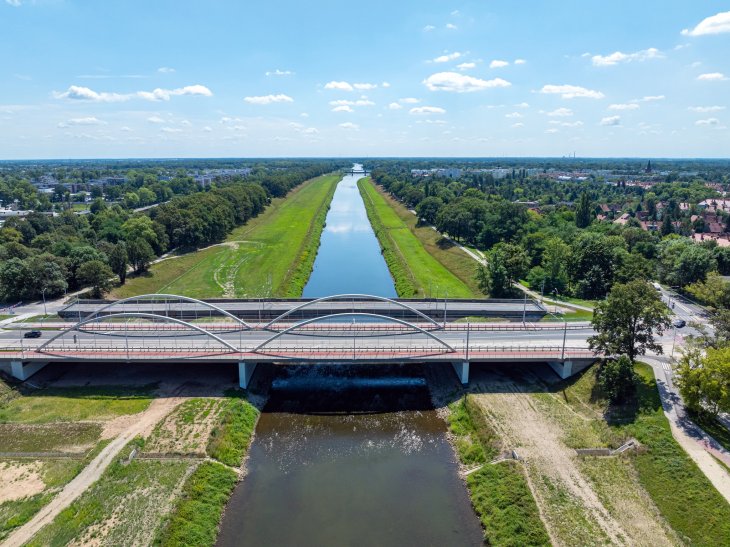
(354, 314)
(361, 296)
(75, 328)
(171, 296)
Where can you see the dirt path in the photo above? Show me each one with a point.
(574, 510)
(142, 425)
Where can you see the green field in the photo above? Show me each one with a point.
(74, 404)
(681, 492)
(500, 493)
(271, 255)
(420, 261)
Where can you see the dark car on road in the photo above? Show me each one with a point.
(679, 323)
(32, 334)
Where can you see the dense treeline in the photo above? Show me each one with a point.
(543, 231)
(43, 254)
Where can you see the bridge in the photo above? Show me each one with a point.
(336, 329)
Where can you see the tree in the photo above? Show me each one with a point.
(97, 275)
(429, 208)
(140, 254)
(681, 261)
(118, 261)
(667, 227)
(583, 215)
(617, 378)
(704, 380)
(625, 322)
(506, 263)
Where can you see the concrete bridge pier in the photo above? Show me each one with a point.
(20, 370)
(245, 371)
(564, 369)
(461, 368)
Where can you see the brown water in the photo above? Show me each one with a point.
(350, 456)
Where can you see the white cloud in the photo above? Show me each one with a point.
(514, 115)
(207, 129)
(428, 28)
(716, 24)
(343, 108)
(553, 130)
(165, 70)
(518, 125)
(619, 57)
(451, 26)
(310, 131)
(342, 86)
(427, 110)
(498, 64)
(706, 109)
(350, 125)
(278, 72)
(650, 98)
(409, 100)
(571, 91)
(466, 66)
(445, 58)
(520, 61)
(346, 102)
(394, 106)
(364, 87)
(125, 129)
(90, 120)
(560, 112)
(386, 85)
(171, 130)
(155, 119)
(623, 106)
(708, 121)
(712, 77)
(611, 120)
(14, 3)
(268, 99)
(522, 105)
(80, 93)
(566, 124)
(461, 83)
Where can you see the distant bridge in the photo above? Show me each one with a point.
(336, 329)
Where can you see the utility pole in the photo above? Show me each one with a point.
(43, 293)
(565, 335)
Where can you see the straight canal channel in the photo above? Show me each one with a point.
(350, 455)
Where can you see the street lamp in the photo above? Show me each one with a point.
(43, 293)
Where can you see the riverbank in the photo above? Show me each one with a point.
(271, 255)
(420, 262)
(654, 495)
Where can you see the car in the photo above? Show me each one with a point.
(657, 286)
(32, 334)
(679, 323)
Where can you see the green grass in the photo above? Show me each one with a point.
(55, 474)
(500, 493)
(579, 315)
(681, 492)
(75, 403)
(195, 519)
(16, 437)
(122, 508)
(271, 255)
(229, 440)
(420, 262)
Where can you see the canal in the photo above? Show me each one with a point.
(350, 455)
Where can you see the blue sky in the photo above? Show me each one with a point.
(161, 78)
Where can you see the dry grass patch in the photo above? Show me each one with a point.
(187, 429)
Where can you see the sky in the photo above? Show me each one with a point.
(218, 78)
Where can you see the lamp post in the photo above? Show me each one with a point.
(43, 293)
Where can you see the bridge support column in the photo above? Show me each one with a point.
(245, 371)
(461, 368)
(563, 369)
(22, 371)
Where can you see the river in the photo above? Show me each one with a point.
(350, 455)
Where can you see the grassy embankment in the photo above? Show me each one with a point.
(421, 263)
(271, 255)
(681, 492)
(49, 420)
(170, 502)
(499, 492)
